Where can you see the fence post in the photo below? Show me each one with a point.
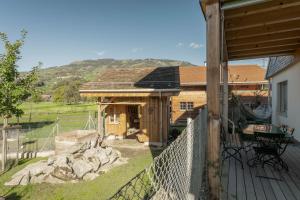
(4, 144)
(18, 144)
(189, 155)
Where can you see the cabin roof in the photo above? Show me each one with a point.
(136, 78)
(238, 74)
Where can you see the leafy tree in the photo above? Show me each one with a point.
(14, 88)
(67, 91)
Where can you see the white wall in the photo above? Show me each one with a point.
(292, 75)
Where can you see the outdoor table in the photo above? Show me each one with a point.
(269, 139)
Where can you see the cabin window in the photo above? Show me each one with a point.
(114, 116)
(183, 106)
(190, 105)
(186, 106)
(282, 97)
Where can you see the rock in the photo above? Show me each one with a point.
(51, 160)
(38, 179)
(90, 176)
(108, 150)
(64, 174)
(14, 181)
(111, 137)
(37, 168)
(95, 142)
(63, 162)
(81, 168)
(113, 157)
(25, 179)
(53, 180)
(82, 163)
(101, 155)
(75, 148)
(91, 156)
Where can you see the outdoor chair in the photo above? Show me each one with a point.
(231, 145)
(272, 147)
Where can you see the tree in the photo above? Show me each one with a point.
(67, 91)
(14, 88)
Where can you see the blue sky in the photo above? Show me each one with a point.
(63, 31)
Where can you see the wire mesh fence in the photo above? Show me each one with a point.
(35, 133)
(177, 173)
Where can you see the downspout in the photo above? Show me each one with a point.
(161, 119)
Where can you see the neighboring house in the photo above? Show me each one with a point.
(246, 81)
(142, 101)
(284, 74)
(136, 101)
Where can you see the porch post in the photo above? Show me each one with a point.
(213, 97)
(225, 95)
(100, 118)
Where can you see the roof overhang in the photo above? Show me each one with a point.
(258, 28)
(129, 92)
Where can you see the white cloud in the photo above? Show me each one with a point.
(135, 50)
(195, 45)
(179, 44)
(100, 53)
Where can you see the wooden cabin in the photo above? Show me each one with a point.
(135, 102)
(246, 81)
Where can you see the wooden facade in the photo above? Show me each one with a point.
(249, 84)
(152, 118)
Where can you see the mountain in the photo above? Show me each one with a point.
(88, 70)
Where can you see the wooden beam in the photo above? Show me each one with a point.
(261, 8)
(100, 118)
(270, 45)
(267, 50)
(264, 38)
(293, 25)
(213, 98)
(253, 56)
(124, 94)
(280, 16)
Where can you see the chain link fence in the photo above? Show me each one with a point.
(178, 172)
(34, 136)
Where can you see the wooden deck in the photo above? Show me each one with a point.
(262, 183)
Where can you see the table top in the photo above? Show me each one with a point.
(264, 129)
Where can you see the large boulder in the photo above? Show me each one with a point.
(81, 168)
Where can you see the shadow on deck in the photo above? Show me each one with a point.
(262, 183)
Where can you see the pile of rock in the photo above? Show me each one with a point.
(81, 162)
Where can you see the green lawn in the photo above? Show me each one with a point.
(40, 119)
(101, 188)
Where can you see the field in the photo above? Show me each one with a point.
(38, 122)
(42, 121)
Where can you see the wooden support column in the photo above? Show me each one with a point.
(100, 118)
(213, 97)
(225, 95)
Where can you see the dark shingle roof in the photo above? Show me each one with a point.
(136, 78)
(276, 64)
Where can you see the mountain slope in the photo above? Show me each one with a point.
(87, 70)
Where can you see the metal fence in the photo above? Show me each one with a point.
(178, 172)
(35, 134)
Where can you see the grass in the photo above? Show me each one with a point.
(102, 187)
(40, 119)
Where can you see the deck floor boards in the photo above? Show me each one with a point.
(257, 183)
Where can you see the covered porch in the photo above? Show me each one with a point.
(238, 30)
